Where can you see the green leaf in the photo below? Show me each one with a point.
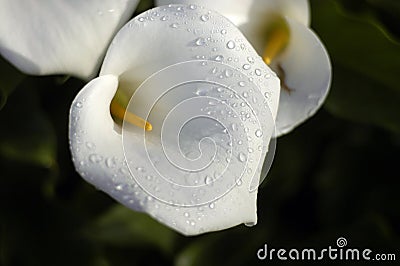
(360, 99)
(366, 66)
(27, 135)
(123, 227)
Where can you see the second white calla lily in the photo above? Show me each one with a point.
(196, 130)
(60, 37)
(279, 31)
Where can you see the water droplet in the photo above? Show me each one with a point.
(258, 72)
(250, 60)
(204, 18)
(230, 45)
(219, 58)
(245, 94)
(251, 224)
(90, 145)
(174, 25)
(212, 205)
(141, 19)
(95, 158)
(79, 104)
(250, 150)
(186, 214)
(267, 95)
(192, 7)
(246, 66)
(239, 182)
(242, 157)
(111, 162)
(164, 18)
(258, 133)
(179, 8)
(208, 180)
(200, 41)
(242, 83)
(228, 73)
(234, 127)
(119, 187)
(223, 32)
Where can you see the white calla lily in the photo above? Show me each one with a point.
(197, 166)
(60, 37)
(278, 30)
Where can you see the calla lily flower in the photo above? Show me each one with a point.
(279, 31)
(60, 37)
(196, 129)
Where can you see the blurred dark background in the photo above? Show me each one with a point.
(335, 176)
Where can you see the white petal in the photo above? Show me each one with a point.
(165, 36)
(55, 37)
(132, 177)
(252, 11)
(308, 72)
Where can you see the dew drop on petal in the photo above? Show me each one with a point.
(250, 224)
(246, 66)
(211, 206)
(242, 157)
(258, 133)
(95, 158)
(208, 180)
(234, 126)
(90, 145)
(228, 73)
(111, 162)
(204, 18)
(200, 41)
(230, 44)
(218, 58)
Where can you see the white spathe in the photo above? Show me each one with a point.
(305, 61)
(60, 37)
(252, 11)
(212, 113)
